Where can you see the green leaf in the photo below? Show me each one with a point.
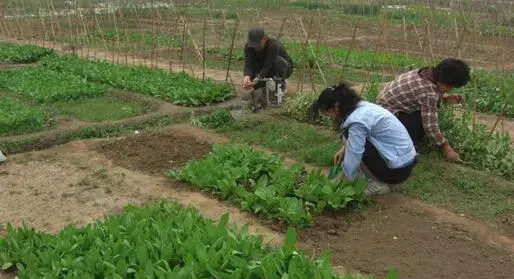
(290, 239)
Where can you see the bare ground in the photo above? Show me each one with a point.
(81, 181)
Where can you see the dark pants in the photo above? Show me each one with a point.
(379, 168)
(281, 69)
(414, 125)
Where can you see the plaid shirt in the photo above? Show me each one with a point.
(416, 91)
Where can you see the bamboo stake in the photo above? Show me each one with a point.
(404, 36)
(457, 39)
(354, 36)
(236, 24)
(203, 48)
(182, 48)
(282, 27)
(116, 38)
(102, 36)
(312, 51)
(17, 21)
(198, 53)
(382, 26)
(174, 38)
(307, 37)
(429, 41)
(420, 44)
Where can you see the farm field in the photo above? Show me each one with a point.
(132, 152)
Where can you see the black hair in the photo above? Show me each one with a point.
(452, 72)
(341, 95)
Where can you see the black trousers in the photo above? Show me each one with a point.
(414, 125)
(281, 69)
(379, 168)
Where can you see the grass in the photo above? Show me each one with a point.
(102, 108)
(463, 190)
(17, 117)
(10, 146)
(297, 140)
(460, 189)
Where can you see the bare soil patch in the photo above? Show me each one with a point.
(392, 235)
(155, 152)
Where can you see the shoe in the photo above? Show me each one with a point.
(376, 188)
(2, 157)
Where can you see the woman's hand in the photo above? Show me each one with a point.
(338, 157)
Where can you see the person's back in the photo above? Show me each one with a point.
(403, 94)
(259, 56)
(385, 132)
(414, 97)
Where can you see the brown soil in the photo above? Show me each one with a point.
(390, 235)
(154, 152)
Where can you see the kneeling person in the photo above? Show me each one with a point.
(376, 141)
(264, 58)
(414, 97)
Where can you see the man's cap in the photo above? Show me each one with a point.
(255, 36)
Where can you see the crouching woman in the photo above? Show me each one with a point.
(376, 144)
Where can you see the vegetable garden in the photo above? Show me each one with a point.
(139, 71)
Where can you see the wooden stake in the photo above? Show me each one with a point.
(354, 36)
(282, 27)
(311, 50)
(200, 59)
(236, 24)
(203, 48)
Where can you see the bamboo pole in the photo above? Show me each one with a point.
(312, 51)
(429, 40)
(236, 25)
(457, 39)
(404, 37)
(280, 32)
(102, 36)
(306, 44)
(354, 37)
(420, 44)
(182, 48)
(380, 36)
(203, 47)
(116, 38)
(198, 53)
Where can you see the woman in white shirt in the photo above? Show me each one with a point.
(376, 141)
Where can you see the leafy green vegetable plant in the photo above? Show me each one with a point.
(219, 118)
(263, 184)
(478, 147)
(160, 240)
(178, 88)
(16, 53)
(48, 86)
(17, 117)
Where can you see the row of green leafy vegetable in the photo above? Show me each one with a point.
(22, 53)
(178, 88)
(159, 240)
(264, 185)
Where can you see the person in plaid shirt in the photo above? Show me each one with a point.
(415, 96)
